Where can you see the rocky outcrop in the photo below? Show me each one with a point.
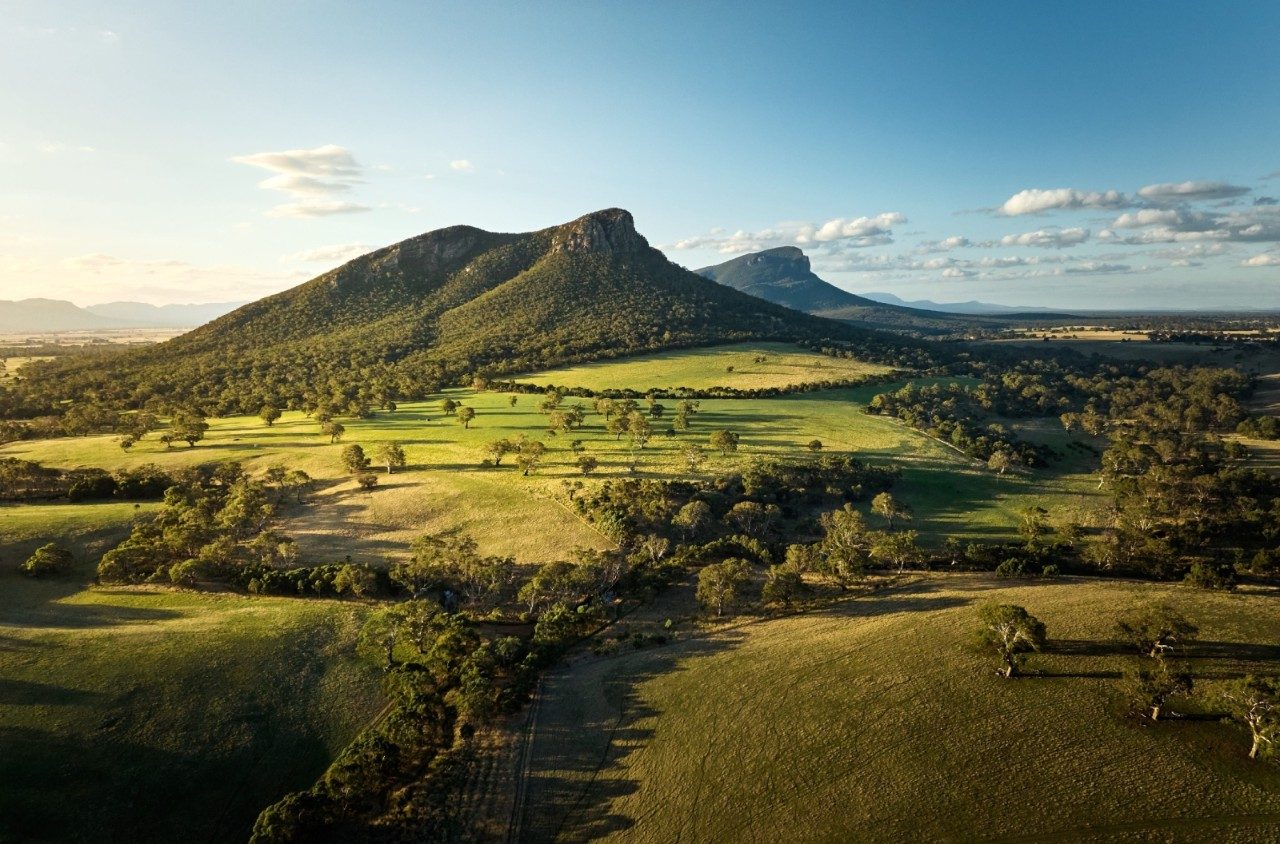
(611, 230)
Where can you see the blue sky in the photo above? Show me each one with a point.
(1073, 155)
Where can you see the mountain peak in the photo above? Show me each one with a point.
(786, 254)
(610, 230)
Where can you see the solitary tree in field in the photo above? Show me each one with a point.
(530, 456)
(1151, 687)
(128, 441)
(724, 442)
(367, 481)
(1011, 631)
(392, 456)
(189, 427)
(889, 508)
(354, 459)
(694, 457)
(1155, 629)
(999, 462)
(639, 429)
(298, 481)
(512, 401)
(587, 464)
(1255, 703)
(448, 407)
(722, 586)
(465, 415)
(269, 414)
(333, 430)
(815, 446)
(497, 449)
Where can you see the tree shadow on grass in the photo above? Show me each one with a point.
(29, 693)
(593, 715)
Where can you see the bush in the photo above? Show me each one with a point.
(48, 561)
(1205, 575)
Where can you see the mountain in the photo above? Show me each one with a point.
(972, 307)
(41, 315)
(163, 316)
(441, 307)
(783, 276)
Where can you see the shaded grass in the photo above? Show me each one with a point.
(877, 722)
(155, 715)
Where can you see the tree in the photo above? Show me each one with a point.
(391, 455)
(639, 429)
(999, 462)
(723, 586)
(448, 407)
(465, 415)
(1034, 526)
(269, 414)
(1155, 629)
(815, 446)
(497, 449)
(694, 457)
(455, 563)
(381, 631)
(47, 561)
(888, 508)
(333, 430)
(782, 585)
(1150, 688)
(128, 441)
(356, 580)
(724, 442)
(587, 464)
(354, 460)
(753, 518)
(530, 455)
(1255, 703)
(896, 549)
(846, 545)
(189, 427)
(1011, 631)
(692, 518)
(298, 481)
(513, 400)
(367, 480)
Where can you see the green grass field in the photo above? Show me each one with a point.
(156, 715)
(704, 368)
(875, 720)
(445, 487)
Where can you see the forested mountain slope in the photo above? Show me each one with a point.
(435, 310)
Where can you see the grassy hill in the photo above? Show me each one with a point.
(431, 311)
(783, 276)
(874, 720)
(155, 715)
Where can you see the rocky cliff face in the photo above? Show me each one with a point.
(788, 259)
(611, 230)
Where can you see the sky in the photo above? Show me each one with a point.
(1072, 155)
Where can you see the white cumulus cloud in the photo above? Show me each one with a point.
(1037, 200)
(1266, 259)
(1047, 238)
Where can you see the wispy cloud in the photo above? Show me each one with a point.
(313, 176)
(462, 165)
(1039, 200)
(1047, 238)
(845, 232)
(1191, 191)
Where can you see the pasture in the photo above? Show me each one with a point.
(137, 714)
(876, 720)
(446, 487)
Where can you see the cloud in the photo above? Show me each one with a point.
(1047, 238)
(956, 272)
(462, 165)
(311, 175)
(1189, 191)
(840, 232)
(1265, 200)
(312, 209)
(1037, 201)
(1265, 259)
(1147, 217)
(946, 244)
(58, 147)
(337, 254)
(106, 36)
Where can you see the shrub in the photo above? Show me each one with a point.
(48, 561)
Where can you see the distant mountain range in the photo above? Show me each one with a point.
(783, 276)
(972, 307)
(39, 316)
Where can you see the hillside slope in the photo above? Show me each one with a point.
(784, 276)
(435, 310)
